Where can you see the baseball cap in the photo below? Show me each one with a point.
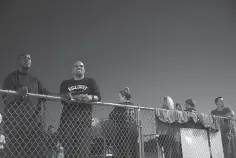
(190, 102)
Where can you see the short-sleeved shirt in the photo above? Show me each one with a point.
(223, 113)
(227, 127)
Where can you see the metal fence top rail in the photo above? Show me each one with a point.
(58, 97)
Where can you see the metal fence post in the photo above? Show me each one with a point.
(209, 143)
(140, 138)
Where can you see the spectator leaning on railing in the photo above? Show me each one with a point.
(221, 110)
(168, 140)
(76, 119)
(125, 142)
(227, 127)
(22, 113)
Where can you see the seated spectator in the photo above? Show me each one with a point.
(178, 107)
(190, 105)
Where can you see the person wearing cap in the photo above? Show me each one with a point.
(190, 105)
(75, 125)
(125, 142)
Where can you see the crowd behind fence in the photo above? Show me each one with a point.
(154, 133)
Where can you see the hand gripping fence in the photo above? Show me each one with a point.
(38, 127)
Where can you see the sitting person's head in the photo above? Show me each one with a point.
(125, 95)
(168, 103)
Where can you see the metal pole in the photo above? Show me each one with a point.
(140, 140)
(139, 132)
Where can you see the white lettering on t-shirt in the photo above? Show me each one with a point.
(78, 87)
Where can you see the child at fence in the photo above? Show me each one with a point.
(125, 140)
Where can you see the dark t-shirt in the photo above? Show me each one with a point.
(124, 119)
(226, 127)
(223, 113)
(120, 114)
(84, 86)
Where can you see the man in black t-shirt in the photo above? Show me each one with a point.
(23, 124)
(221, 110)
(227, 127)
(76, 118)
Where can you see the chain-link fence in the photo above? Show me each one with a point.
(174, 135)
(223, 143)
(34, 127)
(159, 139)
(37, 128)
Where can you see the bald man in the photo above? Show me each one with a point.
(76, 119)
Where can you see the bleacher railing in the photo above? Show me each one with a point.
(108, 130)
